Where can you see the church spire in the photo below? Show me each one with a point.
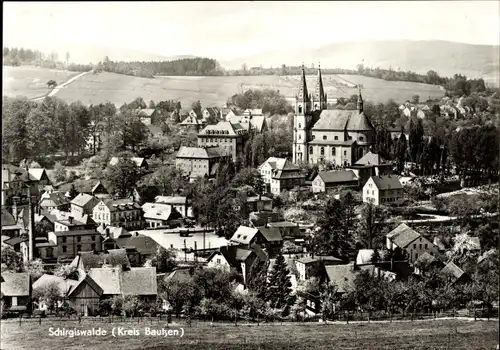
(320, 96)
(360, 100)
(303, 94)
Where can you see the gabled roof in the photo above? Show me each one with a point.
(338, 176)
(64, 285)
(253, 112)
(271, 234)
(234, 255)
(108, 279)
(403, 235)
(120, 204)
(200, 152)
(387, 182)
(145, 245)
(114, 231)
(190, 120)
(364, 256)
(224, 128)
(171, 200)
(15, 240)
(83, 199)
(89, 260)
(137, 160)
(212, 111)
(159, 211)
(37, 173)
(148, 112)
(16, 284)
(84, 220)
(136, 281)
(342, 275)
(90, 282)
(335, 119)
(7, 218)
(99, 186)
(244, 235)
(452, 271)
(54, 199)
(76, 233)
(372, 159)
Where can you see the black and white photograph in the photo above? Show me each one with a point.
(250, 175)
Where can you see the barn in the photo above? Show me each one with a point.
(85, 297)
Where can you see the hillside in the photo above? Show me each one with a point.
(119, 89)
(447, 58)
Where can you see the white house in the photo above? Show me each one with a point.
(178, 202)
(383, 189)
(411, 242)
(161, 215)
(122, 212)
(327, 180)
(281, 174)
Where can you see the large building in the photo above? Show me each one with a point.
(322, 135)
(230, 137)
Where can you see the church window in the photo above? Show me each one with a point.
(314, 136)
(324, 137)
(336, 138)
(322, 150)
(333, 151)
(300, 136)
(310, 150)
(300, 109)
(300, 126)
(361, 138)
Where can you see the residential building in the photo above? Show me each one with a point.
(309, 267)
(10, 226)
(181, 204)
(259, 203)
(192, 123)
(210, 113)
(138, 282)
(200, 161)
(228, 113)
(19, 183)
(273, 240)
(85, 297)
(383, 190)
(287, 229)
(240, 259)
(83, 204)
(158, 215)
(340, 137)
(69, 223)
(53, 200)
(328, 180)
(256, 123)
(380, 165)
(147, 115)
(268, 238)
(225, 135)
(411, 242)
(139, 247)
(139, 162)
(454, 274)
(16, 291)
(69, 243)
(119, 212)
(281, 174)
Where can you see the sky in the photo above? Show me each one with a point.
(234, 29)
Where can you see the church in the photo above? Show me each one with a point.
(328, 135)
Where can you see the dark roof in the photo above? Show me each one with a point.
(90, 282)
(114, 257)
(76, 233)
(236, 254)
(271, 234)
(15, 240)
(200, 152)
(64, 285)
(338, 176)
(83, 199)
(452, 271)
(16, 284)
(143, 244)
(54, 199)
(7, 218)
(136, 281)
(386, 182)
(121, 204)
(372, 159)
(403, 235)
(336, 119)
(342, 275)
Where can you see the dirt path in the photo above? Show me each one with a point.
(57, 88)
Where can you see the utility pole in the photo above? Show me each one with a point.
(185, 251)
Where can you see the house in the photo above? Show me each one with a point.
(228, 113)
(210, 113)
(255, 123)
(384, 189)
(380, 165)
(247, 236)
(237, 258)
(193, 123)
(99, 191)
(410, 241)
(328, 180)
(309, 267)
(425, 262)
(273, 240)
(85, 261)
(454, 273)
(19, 182)
(139, 247)
(179, 203)
(262, 218)
(53, 200)
(119, 212)
(9, 224)
(68, 223)
(138, 282)
(158, 215)
(85, 297)
(199, 161)
(342, 275)
(147, 115)
(139, 162)
(110, 234)
(260, 203)
(69, 243)
(83, 204)
(230, 137)
(281, 174)
(16, 291)
(63, 284)
(287, 229)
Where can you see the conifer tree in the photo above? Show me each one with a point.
(280, 287)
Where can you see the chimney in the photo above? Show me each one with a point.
(31, 230)
(70, 219)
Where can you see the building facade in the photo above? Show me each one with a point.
(383, 190)
(227, 136)
(199, 161)
(340, 137)
(121, 212)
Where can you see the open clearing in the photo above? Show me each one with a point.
(439, 334)
(31, 81)
(118, 89)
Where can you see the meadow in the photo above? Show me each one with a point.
(31, 81)
(439, 334)
(214, 90)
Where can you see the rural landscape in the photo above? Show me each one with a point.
(230, 189)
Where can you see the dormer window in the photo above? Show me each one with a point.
(324, 137)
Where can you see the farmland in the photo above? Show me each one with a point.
(31, 81)
(214, 90)
(439, 334)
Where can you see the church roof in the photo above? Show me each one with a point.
(336, 119)
(302, 93)
(359, 122)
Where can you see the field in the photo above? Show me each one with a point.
(31, 81)
(440, 334)
(118, 89)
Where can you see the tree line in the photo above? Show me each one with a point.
(270, 101)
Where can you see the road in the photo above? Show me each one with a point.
(58, 87)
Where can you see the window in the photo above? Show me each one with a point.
(300, 137)
(300, 111)
(420, 246)
(350, 137)
(426, 246)
(310, 150)
(416, 255)
(218, 261)
(50, 252)
(324, 137)
(345, 153)
(64, 249)
(300, 126)
(78, 248)
(322, 151)
(92, 246)
(93, 238)
(333, 151)
(414, 246)
(336, 138)
(314, 136)
(78, 239)
(64, 239)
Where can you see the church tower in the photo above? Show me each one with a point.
(302, 114)
(360, 101)
(320, 99)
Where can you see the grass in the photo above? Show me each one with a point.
(440, 334)
(31, 81)
(119, 89)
